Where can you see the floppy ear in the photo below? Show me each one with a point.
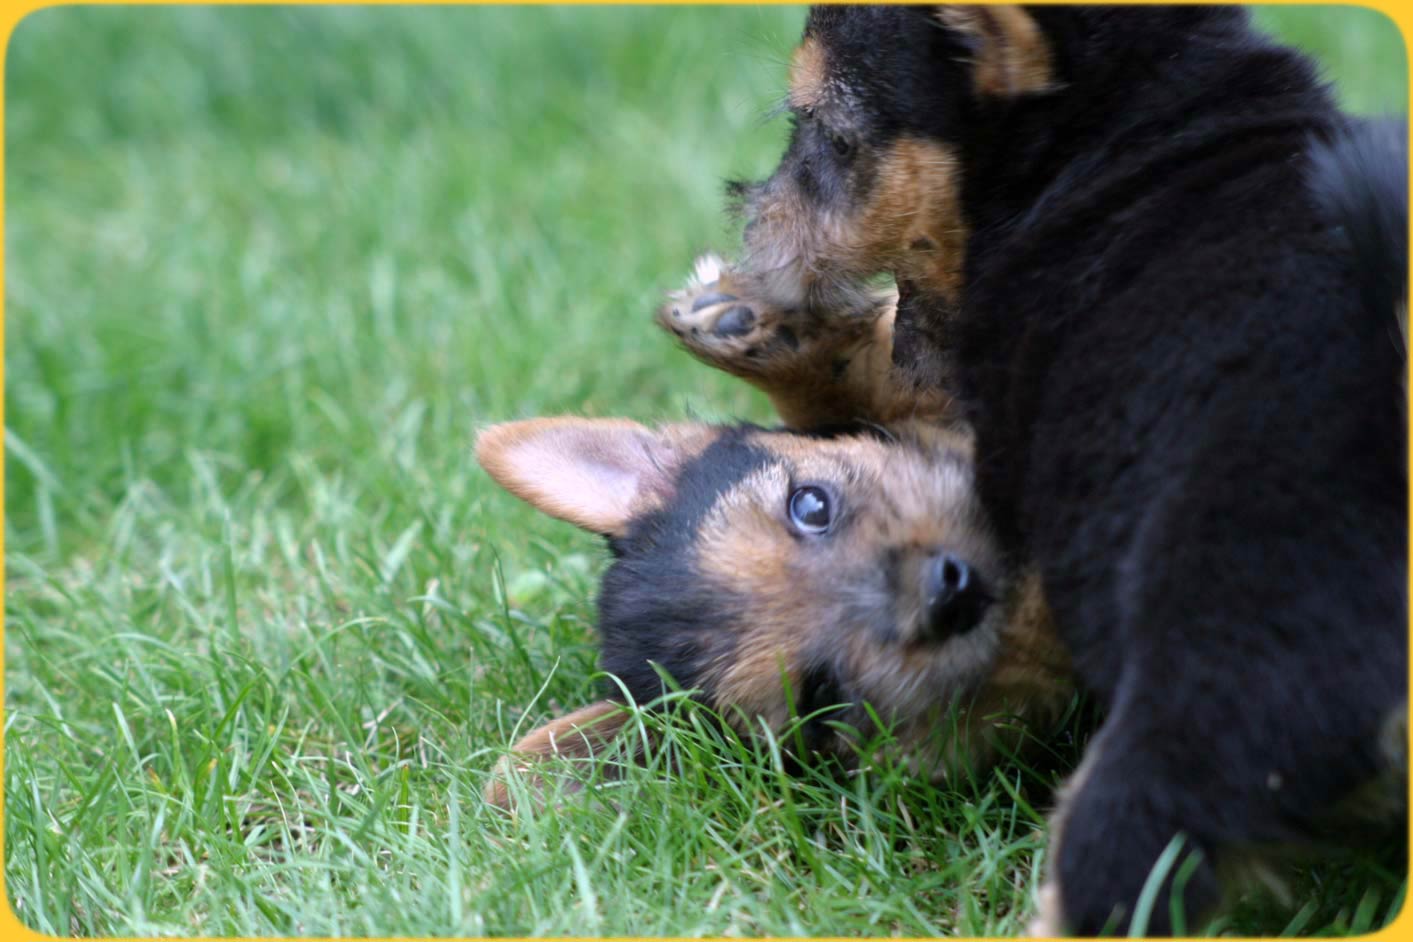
(593, 473)
(578, 735)
(1012, 56)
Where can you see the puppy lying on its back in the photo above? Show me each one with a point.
(781, 572)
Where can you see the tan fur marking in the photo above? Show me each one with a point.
(808, 392)
(1013, 59)
(577, 735)
(835, 454)
(799, 257)
(743, 546)
(687, 440)
(1033, 663)
(915, 220)
(755, 683)
(910, 226)
(1031, 677)
(808, 73)
(743, 543)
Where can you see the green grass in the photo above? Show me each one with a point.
(267, 625)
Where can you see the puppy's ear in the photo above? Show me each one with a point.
(1011, 55)
(593, 473)
(579, 735)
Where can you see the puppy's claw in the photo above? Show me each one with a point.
(707, 270)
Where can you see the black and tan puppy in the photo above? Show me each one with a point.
(1164, 268)
(782, 572)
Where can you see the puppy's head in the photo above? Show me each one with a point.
(781, 574)
(871, 179)
(894, 108)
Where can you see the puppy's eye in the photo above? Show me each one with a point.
(842, 146)
(809, 509)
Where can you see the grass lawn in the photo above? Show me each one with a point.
(267, 626)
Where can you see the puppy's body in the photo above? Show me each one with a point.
(1211, 475)
(1173, 330)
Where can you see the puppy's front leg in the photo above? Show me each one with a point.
(819, 368)
(1127, 842)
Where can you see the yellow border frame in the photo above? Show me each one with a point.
(1400, 12)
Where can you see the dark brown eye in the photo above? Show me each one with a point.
(809, 509)
(842, 146)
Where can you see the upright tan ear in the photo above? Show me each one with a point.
(593, 473)
(1012, 56)
(579, 735)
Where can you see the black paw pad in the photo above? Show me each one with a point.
(735, 322)
(707, 300)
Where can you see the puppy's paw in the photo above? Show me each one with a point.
(722, 321)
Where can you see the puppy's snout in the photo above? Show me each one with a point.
(954, 596)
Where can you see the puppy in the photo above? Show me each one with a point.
(835, 572)
(1162, 270)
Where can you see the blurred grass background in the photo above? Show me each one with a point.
(267, 626)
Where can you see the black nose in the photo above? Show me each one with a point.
(955, 598)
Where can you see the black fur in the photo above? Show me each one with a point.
(1179, 351)
(655, 609)
(1360, 178)
(821, 687)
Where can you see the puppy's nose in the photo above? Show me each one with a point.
(954, 597)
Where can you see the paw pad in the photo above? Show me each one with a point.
(735, 322)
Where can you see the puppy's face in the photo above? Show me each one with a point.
(871, 179)
(781, 574)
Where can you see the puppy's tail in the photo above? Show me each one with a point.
(1360, 179)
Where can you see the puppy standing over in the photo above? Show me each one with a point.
(1167, 268)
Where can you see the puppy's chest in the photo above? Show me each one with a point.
(1006, 349)
(1061, 392)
